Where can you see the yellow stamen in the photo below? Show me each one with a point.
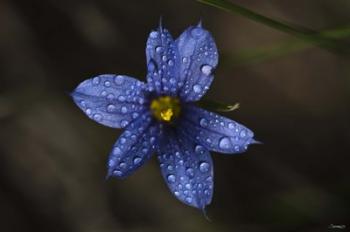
(165, 108)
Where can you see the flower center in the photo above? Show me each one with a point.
(165, 108)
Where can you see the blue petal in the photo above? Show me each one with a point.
(112, 100)
(215, 132)
(187, 169)
(134, 147)
(162, 62)
(198, 59)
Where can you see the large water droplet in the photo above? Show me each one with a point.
(151, 66)
(203, 122)
(117, 151)
(107, 83)
(225, 143)
(124, 109)
(121, 98)
(137, 160)
(122, 165)
(189, 200)
(170, 62)
(190, 172)
(159, 49)
(206, 69)
(243, 133)
(204, 167)
(88, 111)
(197, 88)
(154, 34)
(171, 178)
(118, 80)
(199, 149)
(231, 126)
(96, 80)
(124, 123)
(98, 117)
(184, 60)
(196, 32)
(111, 108)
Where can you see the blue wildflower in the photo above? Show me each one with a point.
(161, 117)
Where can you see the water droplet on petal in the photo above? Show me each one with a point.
(96, 80)
(111, 108)
(107, 83)
(124, 123)
(170, 62)
(242, 133)
(231, 125)
(154, 34)
(117, 151)
(196, 32)
(189, 200)
(171, 178)
(197, 88)
(137, 160)
(124, 109)
(121, 98)
(97, 117)
(225, 143)
(190, 172)
(204, 167)
(88, 111)
(122, 165)
(118, 80)
(203, 122)
(206, 69)
(159, 49)
(199, 149)
(122, 140)
(184, 60)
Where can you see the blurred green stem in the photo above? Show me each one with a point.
(217, 106)
(308, 35)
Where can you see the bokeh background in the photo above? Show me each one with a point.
(53, 158)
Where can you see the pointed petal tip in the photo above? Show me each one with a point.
(204, 212)
(256, 142)
(199, 23)
(160, 27)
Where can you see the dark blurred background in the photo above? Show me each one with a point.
(53, 158)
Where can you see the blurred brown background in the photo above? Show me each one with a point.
(53, 158)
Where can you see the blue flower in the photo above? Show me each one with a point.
(161, 117)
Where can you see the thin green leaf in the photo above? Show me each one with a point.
(217, 106)
(303, 33)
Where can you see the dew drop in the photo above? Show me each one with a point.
(171, 178)
(190, 172)
(97, 117)
(122, 140)
(196, 32)
(88, 111)
(118, 80)
(189, 200)
(137, 160)
(231, 125)
(184, 60)
(121, 98)
(204, 167)
(124, 123)
(122, 165)
(197, 88)
(224, 143)
(242, 133)
(203, 122)
(159, 49)
(96, 80)
(111, 108)
(154, 34)
(117, 151)
(170, 62)
(199, 149)
(107, 83)
(124, 109)
(206, 69)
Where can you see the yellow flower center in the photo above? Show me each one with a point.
(165, 108)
